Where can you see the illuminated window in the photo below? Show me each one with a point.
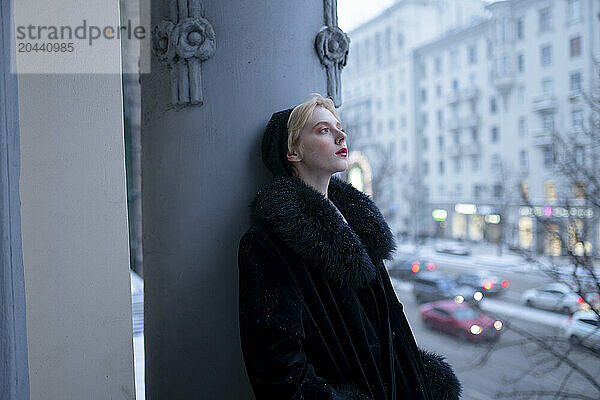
(459, 226)
(475, 227)
(579, 190)
(356, 178)
(550, 190)
(576, 243)
(552, 243)
(525, 232)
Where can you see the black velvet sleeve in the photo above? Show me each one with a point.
(271, 328)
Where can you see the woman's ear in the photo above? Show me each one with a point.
(293, 155)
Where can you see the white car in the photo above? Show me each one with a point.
(455, 248)
(584, 329)
(554, 297)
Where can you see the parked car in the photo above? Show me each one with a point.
(408, 267)
(458, 249)
(461, 320)
(554, 297)
(433, 286)
(583, 328)
(484, 281)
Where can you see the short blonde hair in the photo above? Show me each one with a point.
(302, 112)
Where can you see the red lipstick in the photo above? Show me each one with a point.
(342, 152)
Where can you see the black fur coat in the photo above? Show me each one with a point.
(319, 318)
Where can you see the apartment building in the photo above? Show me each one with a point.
(378, 107)
(482, 105)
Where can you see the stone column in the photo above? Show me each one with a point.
(201, 167)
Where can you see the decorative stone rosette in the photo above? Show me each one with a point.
(332, 45)
(182, 47)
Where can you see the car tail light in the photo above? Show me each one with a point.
(505, 284)
(431, 266)
(415, 267)
(580, 301)
(488, 285)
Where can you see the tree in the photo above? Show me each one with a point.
(568, 259)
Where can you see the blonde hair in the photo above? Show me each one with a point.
(301, 114)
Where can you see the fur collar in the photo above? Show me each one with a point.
(308, 224)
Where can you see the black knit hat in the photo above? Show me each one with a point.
(274, 144)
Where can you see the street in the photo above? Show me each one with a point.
(512, 366)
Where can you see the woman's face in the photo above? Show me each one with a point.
(321, 148)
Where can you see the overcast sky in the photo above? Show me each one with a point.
(352, 13)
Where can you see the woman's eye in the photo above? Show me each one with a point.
(324, 130)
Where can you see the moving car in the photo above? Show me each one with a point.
(433, 286)
(554, 297)
(583, 328)
(458, 249)
(408, 267)
(483, 281)
(461, 320)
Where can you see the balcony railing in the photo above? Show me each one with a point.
(452, 98)
(470, 93)
(542, 138)
(544, 103)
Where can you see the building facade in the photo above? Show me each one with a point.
(488, 102)
(379, 97)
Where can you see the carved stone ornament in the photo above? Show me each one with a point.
(182, 46)
(332, 46)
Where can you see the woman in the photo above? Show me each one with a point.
(319, 318)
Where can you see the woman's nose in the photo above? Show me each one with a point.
(341, 136)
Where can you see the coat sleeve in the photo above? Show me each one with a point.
(439, 376)
(271, 328)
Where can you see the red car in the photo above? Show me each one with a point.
(461, 320)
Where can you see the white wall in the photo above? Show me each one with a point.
(74, 223)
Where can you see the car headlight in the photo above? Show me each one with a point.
(459, 299)
(478, 296)
(498, 325)
(475, 329)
